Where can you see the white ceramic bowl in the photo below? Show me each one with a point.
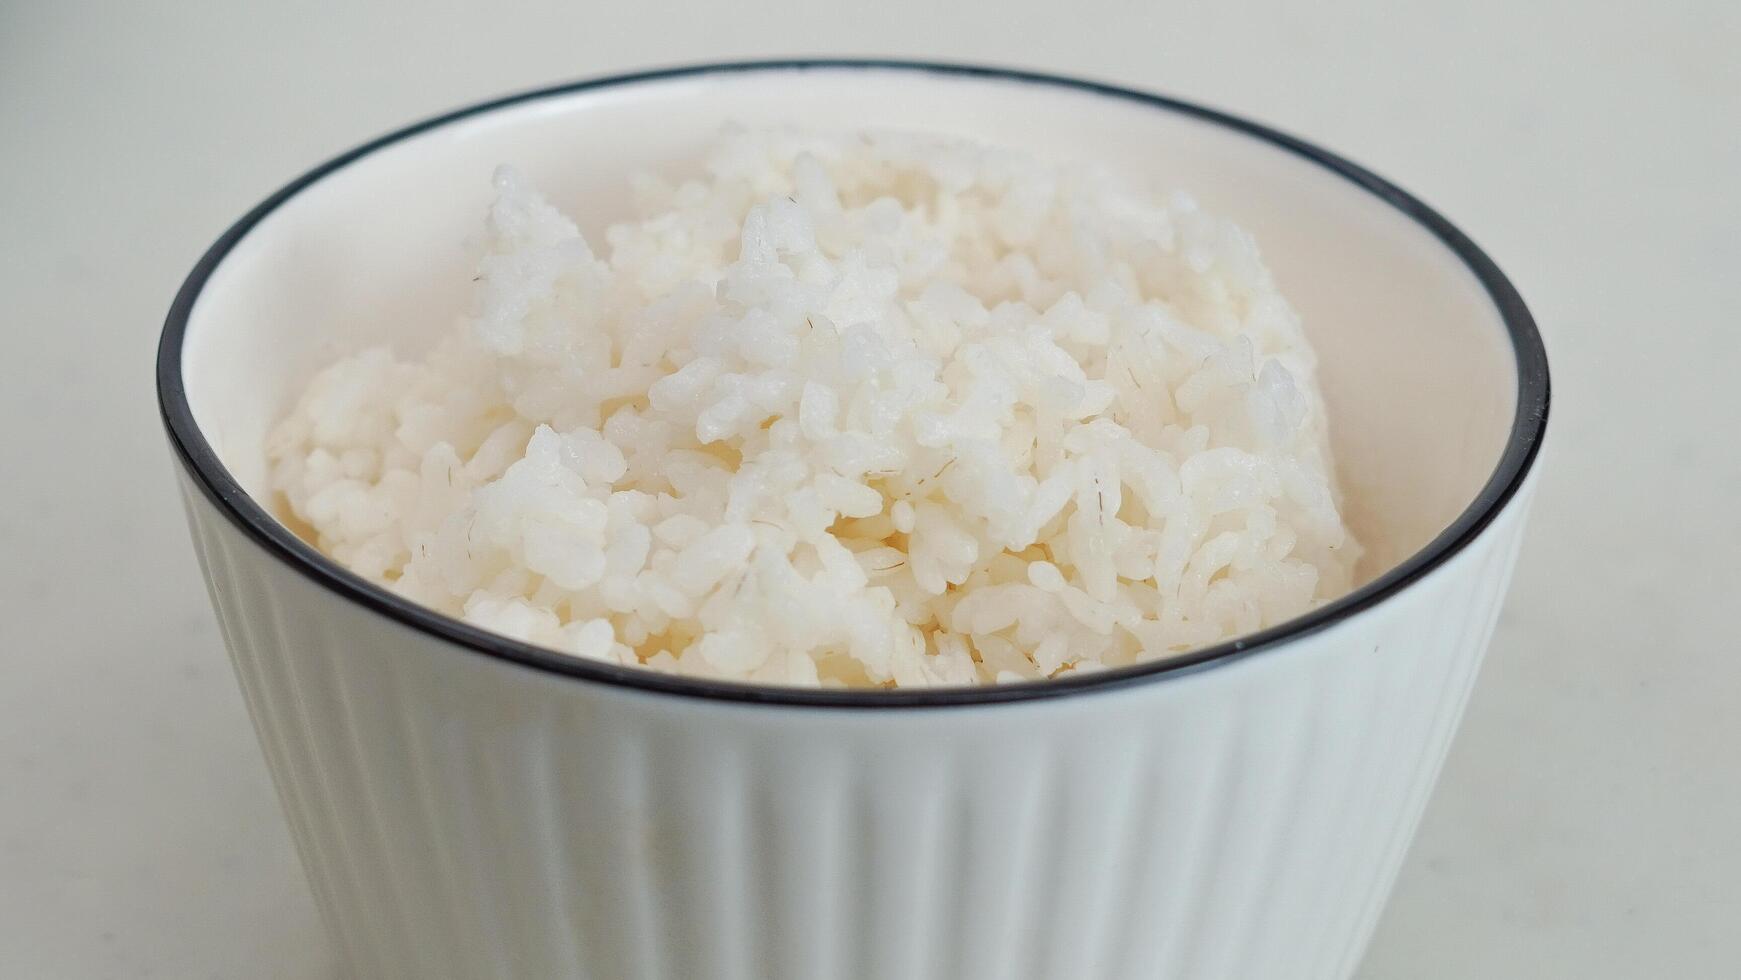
(467, 806)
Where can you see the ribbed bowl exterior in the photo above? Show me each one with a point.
(463, 816)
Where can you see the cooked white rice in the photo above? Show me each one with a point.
(877, 410)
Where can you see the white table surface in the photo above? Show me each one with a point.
(1589, 821)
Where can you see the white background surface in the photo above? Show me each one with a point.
(1589, 821)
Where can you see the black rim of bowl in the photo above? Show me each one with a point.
(1527, 427)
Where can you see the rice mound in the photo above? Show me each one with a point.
(869, 410)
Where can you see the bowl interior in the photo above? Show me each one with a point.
(1416, 364)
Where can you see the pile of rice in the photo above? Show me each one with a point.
(873, 410)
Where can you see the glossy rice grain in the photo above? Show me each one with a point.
(874, 410)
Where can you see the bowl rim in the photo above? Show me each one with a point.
(1523, 443)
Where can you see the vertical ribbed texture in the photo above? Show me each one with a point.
(463, 817)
